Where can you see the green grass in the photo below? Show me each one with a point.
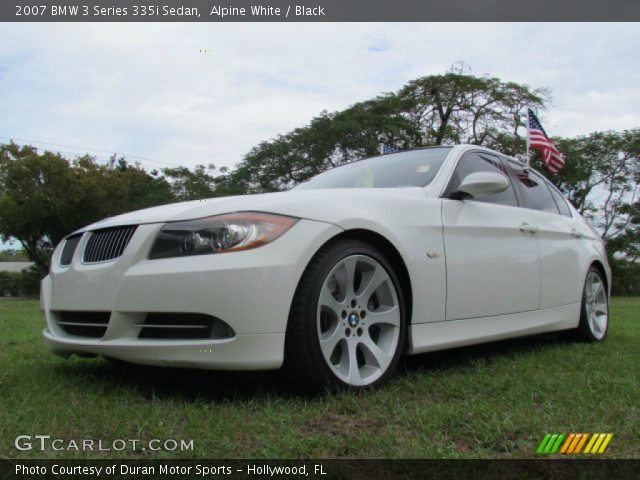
(495, 400)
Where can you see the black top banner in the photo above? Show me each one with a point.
(320, 11)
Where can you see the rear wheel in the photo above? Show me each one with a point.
(347, 323)
(594, 316)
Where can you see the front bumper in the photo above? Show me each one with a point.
(250, 290)
(243, 352)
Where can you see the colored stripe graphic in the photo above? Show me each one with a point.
(556, 445)
(567, 443)
(598, 443)
(596, 446)
(543, 443)
(550, 443)
(591, 442)
(573, 443)
(579, 446)
(605, 443)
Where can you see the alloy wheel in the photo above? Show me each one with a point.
(358, 320)
(596, 305)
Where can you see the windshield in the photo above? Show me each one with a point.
(413, 168)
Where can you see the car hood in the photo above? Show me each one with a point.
(326, 205)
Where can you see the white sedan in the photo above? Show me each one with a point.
(336, 279)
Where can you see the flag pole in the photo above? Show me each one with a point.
(528, 164)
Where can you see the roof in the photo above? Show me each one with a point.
(458, 146)
(14, 266)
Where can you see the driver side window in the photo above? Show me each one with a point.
(483, 162)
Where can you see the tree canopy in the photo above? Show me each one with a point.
(44, 197)
(601, 178)
(433, 110)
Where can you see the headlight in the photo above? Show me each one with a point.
(219, 234)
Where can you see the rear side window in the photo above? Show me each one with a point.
(482, 162)
(535, 192)
(561, 202)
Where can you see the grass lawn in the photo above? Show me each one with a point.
(495, 400)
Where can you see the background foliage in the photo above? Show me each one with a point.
(20, 284)
(44, 196)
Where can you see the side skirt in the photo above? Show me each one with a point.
(429, 337)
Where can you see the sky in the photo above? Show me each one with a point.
(196, 93)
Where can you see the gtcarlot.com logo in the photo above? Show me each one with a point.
(47, 442)
(574, 443)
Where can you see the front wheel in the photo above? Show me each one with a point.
(347, 325)
(594, 314)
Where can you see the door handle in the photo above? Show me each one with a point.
(526, 228)
(576, 234)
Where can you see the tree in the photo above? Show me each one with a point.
(44, 197)
(601, 178)
(329, 140)
(33, 196)
(432, 110)
(454, 108)
(597, 163)
(197, 184)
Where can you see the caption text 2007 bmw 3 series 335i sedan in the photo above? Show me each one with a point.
(337, 278)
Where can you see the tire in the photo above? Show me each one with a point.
(347, 322)
(594, 311)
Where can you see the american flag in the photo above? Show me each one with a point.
(389, 148)
(525, 179)
(539, 140)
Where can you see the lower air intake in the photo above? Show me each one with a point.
(183, 326)
(83, 324)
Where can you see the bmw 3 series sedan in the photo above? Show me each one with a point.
(336, 279)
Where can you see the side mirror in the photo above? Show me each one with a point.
(480, 185)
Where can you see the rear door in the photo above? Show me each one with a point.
(491, 248)
(558, 236)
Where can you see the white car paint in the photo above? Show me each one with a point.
(475, 274)
(492, 267)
